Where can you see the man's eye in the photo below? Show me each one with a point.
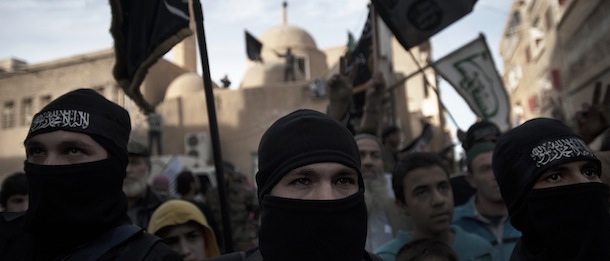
(590, 173)
(193, 236)
(553, 177)
(301, 181)
(444, 187)
(485, 168)
(345, 181)
(421, 193)
(34, 151)
(170, 241)
(16, 200)
(73, 150)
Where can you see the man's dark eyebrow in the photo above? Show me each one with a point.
(75, 143)
(589, 164)
(421, 187)
(347, 171)
(302, 172)
(32, 143)
(71, 143)
(193, 231)
(557, 168)
(443, 182)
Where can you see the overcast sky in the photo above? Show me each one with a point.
(44, 30)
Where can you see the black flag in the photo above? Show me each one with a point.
(253, 48)
(360, 58)
(415, 21)
(143, 31)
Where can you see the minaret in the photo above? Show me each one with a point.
(184, 54)
(284, 7)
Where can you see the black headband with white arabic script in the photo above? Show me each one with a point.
(524, 153)
(85, 111)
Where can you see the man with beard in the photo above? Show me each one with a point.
(485, 214)
(311, 192)
(76, 152)
(141, 199)
(550, 183)
(422, 188)
(385, 218)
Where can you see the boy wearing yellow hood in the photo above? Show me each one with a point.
(185, 229)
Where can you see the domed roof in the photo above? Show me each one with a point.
(259, 74)
(276, 41)
(284, 35)
(185, 84)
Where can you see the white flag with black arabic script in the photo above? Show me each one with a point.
(472, 72)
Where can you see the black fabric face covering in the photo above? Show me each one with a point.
(568, 223)
(296, 229)
(71, 205)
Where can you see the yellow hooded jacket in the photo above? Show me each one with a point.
(175, 212)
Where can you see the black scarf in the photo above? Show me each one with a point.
(567, 223)
(71, 205)
(295, 229)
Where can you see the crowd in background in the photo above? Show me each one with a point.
(325, 191)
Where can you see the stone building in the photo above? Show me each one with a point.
(243, 114)
(554, 52)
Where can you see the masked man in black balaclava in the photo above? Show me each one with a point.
(76, 158)
(549, 180)
(311, 192)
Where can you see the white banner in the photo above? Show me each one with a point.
(472, 72)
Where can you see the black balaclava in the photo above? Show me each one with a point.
(71, 205)
(295, 229)
(568, 222)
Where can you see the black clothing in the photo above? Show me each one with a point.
(524, 153)
(296, 229)
(462, 191)
(303, 229)
(301, 138)
(254, 254)
(78, 202)
(86, 111)
(144, 246)
(72, 207)
(566, 223)
(80, 210)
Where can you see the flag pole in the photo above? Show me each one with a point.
(374, 39)
(213, 125)
(434, 88)
(362, 87)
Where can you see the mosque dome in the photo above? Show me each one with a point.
(185, 84)
(284, 35)
(276, 40)
(259, 74)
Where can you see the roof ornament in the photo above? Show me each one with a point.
(284, 12)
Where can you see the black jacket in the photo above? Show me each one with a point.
(15, 244)
(254, 254)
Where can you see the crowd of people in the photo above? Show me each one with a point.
(325, 191)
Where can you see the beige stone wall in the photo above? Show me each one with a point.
(242, 115)
(46, 81)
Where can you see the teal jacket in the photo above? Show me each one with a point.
(467, 246)
(502, 237)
